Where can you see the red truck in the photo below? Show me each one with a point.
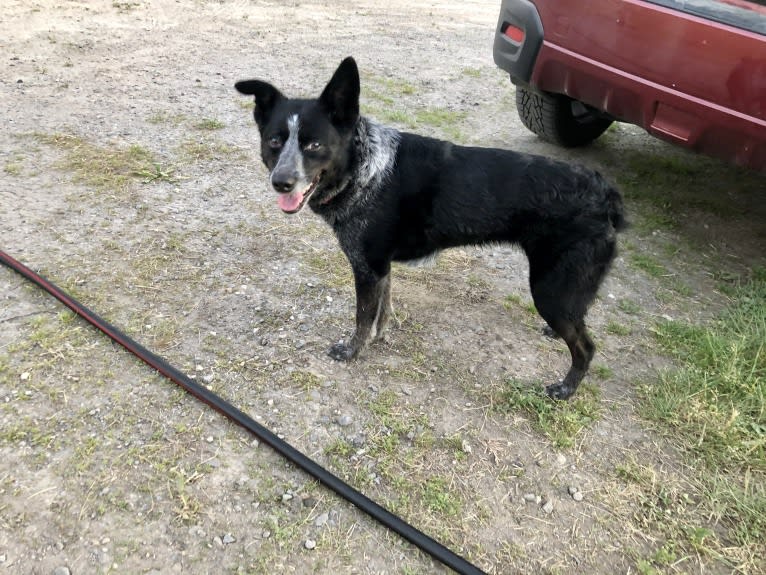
(692, 72)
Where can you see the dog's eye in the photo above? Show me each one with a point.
(312, 146)
(275, 143)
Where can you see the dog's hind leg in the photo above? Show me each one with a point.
(373, 309)
(581, 348)
(569, 324)
(562, 290)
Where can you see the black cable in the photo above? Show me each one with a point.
(364, 503)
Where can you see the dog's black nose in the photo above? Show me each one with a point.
(284, 181)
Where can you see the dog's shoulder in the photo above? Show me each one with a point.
(375, 147)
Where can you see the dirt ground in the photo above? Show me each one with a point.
(131, 177)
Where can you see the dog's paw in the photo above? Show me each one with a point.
(341, 352)
(560, 391)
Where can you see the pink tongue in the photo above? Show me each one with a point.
(290, 202)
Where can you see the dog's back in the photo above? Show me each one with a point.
(441, 195)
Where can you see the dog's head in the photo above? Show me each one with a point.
(305, 143)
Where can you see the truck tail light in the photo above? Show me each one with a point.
(513, 33)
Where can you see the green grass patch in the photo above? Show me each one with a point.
(105, 168)
(209, 124)
(207, 149)
(165, 118)
(619, 329)
(715, 401)
(560, 421)
(671, 182)
(12, 169)
(649, 265)
(446, 121)
(439, 498)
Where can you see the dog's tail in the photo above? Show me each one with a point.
(616, 210)
(614, 206)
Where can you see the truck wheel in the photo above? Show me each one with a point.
(559, 119)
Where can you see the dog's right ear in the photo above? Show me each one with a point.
(266, 98)
(340, 97)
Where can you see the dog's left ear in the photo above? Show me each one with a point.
(340, 97)
(266, 98)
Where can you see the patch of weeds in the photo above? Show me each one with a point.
(209, 124)
(471, 72)
(207, 149)
(649, 265)
(446, 121)
(512, 300)
(715, 402)
(394, 86)
(384, 99)
(629, 306)
(601, 372)
(616, 328)
(478, 289)
(165, 118)
(439, 498)
(105, 168)
(340, 447)
(387, 114)
(709, 517)
(305, 380)
(156, 173)
(668, 183)
(712, 407)
(187, 507)
(560, 421)
(652, 267)
(332, 266)
(125, 7)
(12, 169)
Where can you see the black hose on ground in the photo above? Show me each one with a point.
(361, 501)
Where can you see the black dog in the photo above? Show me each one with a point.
(392, 196)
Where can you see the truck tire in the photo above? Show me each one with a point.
(559, 119)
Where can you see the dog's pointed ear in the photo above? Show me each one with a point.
(340, 97)
(266, 98)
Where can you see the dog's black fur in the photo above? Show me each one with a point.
(392, 196)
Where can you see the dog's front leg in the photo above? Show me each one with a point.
(373, 306)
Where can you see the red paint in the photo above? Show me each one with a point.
(692, 81)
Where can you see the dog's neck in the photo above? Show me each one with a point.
(373, 153)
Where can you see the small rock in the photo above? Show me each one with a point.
(530, 497)
(321, 519)
(265, 534)
(310, 544)
(560, 459)
(309, 501)
(218, 541)
(548, 507)
(344, 420)
(286, 497)
(63, 570)
(572, 490)
(577, 496)
(466, 447)
(25, 376)
(228, 538)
